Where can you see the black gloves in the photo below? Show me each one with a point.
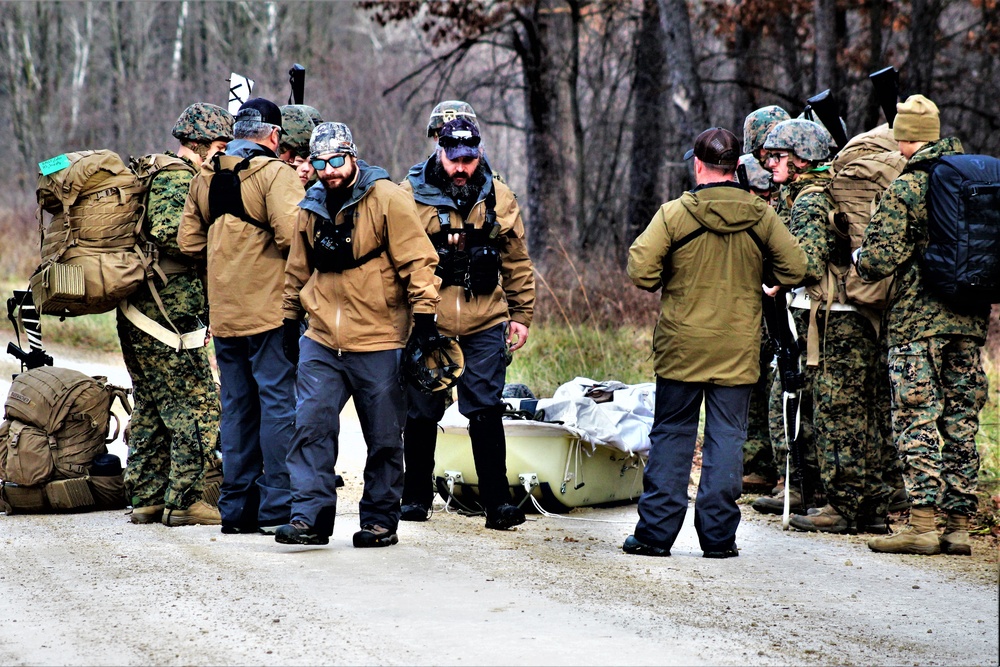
(290, 333)
(425, 332)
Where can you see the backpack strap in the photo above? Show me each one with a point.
(225, 196)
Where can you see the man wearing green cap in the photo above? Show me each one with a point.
(935, 362)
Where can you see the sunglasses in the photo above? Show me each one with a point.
(335, 162)
(775, 157)
(455, 142)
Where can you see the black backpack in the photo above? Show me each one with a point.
(961, 263)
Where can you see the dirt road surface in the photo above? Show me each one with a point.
(93, 589)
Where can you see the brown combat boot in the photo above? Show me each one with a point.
(776, 504)
(955, 540)
(147, 514)
(200, 513)
(920, 537)
(825, 520)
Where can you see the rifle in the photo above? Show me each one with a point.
(824, 107)
(886, 84)
(297, 79)
(780, 328)
(36, 356)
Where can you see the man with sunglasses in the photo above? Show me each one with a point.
(487, 302)
(359, 263)
(240, 217)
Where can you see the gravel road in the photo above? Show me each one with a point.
(93, 589)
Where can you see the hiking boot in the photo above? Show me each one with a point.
(374, 536)
(239, 530)
(907, 541)
(755, 483)
(338, 481)
(731, 552)
(955, 540)
(200, 513)
(636, 548)
(878, 525)
(825, 520)
(147, 514)
(504, 517)
(415, 512)
(299, 532)
(920, 537)
(899, 501)
(776, 504)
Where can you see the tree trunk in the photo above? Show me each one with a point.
(689, 108)
(649, 132)
(876, 15)
(923, 43)
(81, 62)
(825, 37)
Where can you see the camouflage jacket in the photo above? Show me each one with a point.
(808, 221)
(183, 296)
(895, 240)
(789, 192)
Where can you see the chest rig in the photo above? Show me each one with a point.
(333, 244)
(474, 261)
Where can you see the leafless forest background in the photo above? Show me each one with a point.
(587, 106)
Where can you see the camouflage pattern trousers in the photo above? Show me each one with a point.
(938, 389)
(758, 455)
(845, 422)
(173, 431)
(776, 419)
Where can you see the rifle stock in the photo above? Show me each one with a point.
(886, 84)
(297, 79)
(824, 107)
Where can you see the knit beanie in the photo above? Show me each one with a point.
(916, 120)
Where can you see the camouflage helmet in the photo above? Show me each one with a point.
(447, 111)
(298, 121)
(806, 139)
(758, 178)
(758, 124)
(204, 122)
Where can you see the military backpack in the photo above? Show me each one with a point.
(56, 425)
(961, 262)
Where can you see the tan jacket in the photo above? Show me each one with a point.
(246, 264)
(514, 297)
(709, 326)
(366, 308)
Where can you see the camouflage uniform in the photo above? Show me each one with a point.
(776, 417)
(173, 431)
(845, 428)
(935, 363)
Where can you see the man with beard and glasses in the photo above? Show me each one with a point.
(359, 262)
(487, 301)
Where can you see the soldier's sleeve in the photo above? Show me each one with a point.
(298, 270)
(809, 224)
(410, 249)
(645, 257)
(887, 244)
(283, 199)
(787, 256)
(192, 234)
(517, 273)
(167, 196)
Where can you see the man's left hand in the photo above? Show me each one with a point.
(517, 335)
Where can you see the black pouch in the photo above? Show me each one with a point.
(484, 269)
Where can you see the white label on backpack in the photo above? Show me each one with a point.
(52, 165)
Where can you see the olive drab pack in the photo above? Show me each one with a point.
(56, 424)
(961, 262)
(89, 251)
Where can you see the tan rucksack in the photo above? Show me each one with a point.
(90, 256)
(862, 170)
(57, 420)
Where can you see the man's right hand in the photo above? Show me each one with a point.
(290, 340)
(425, 332)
